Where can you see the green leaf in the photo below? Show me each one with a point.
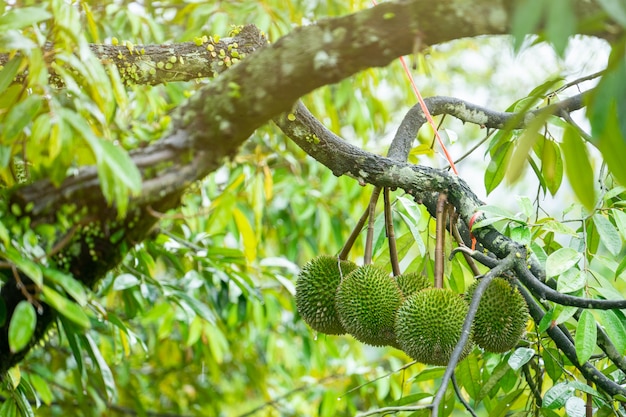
(125, 281)
(578, 167)
(581, 386)
(119, 177)
(22, 402)
(19, 116)
(19, 18)
(248, 236)
(553, 363)
(415, 233)
(469, 376)
(42, 388)
(520, 357)
(103, 367)
(561, 24)
(25, 265)
(526, 206)
(9, 72)
(575, 407)
(614, 328)
(564, 313)
(561, 260)
(616, 9)
(571, 281)
(620, 268)
(500, 212)
(526, 19)
(586, 336)
(552, 166)
(73, 340)
(66, 307)
(606, 106)
(74, 288)
(608, 234)
(22, 326)
(9, 408)
(498, 166)
(556, 396)
(523, 146)
(493, 380)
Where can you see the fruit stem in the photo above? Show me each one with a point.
(391, 236)
(440, 238)
(367, 256)
(347, 247)
(459, 240)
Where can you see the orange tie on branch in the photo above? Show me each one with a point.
(425, 110)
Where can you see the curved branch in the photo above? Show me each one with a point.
(567, 347)
(540, 289)
(543, 292)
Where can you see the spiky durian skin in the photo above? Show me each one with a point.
(367, 301)
(412, 282)
(428, 325)
(315, 292)
(501, 317)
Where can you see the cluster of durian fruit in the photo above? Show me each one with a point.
(337, 297)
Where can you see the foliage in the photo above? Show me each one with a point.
(202, 315)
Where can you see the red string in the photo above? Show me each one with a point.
(471, 224)
(426, 112)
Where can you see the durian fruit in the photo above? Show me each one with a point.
(367, 301)
(412, 282)
(315, 292)
(428, 325)
(501, 317)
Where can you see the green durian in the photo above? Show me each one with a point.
(315, 292)
(501, 317)
(412, 282)
(428, 325)
(367, 301)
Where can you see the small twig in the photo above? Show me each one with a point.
(402, 368)
(473, 148)
(347, 247)
(536, 390)
(287, 394)
(205, 211)
(369, 240)
(578, 81)
(65, 240)
(397, 409)
(503, 265)
(459, 395)
(440, 239)
(589, 405)
(391, 237)
(459, 240)
(24, 290)
(486, 260)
